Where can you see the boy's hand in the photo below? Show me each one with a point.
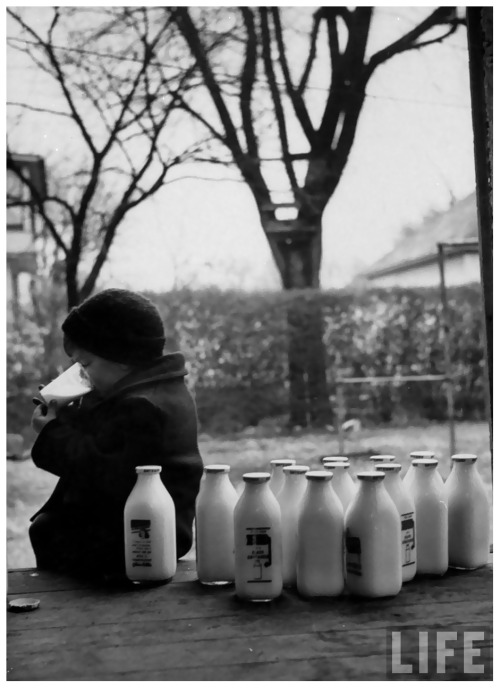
(42, 415)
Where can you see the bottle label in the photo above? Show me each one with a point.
(352, 554)
(140, 542)
(408, 538)
(258, 554)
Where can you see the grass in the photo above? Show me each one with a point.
(28, 487)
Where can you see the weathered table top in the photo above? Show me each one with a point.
(183, 631)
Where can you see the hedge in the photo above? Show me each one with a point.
(236, 349)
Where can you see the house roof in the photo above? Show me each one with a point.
(418, 245)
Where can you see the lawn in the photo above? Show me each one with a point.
(28, 487)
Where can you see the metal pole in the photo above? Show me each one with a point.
(447, 355)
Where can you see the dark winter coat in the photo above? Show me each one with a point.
(148, 417)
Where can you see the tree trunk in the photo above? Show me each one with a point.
(299, 262)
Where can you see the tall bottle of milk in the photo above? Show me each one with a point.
(290, 500)
(342, 483)
(149, 528)
(215, 527)
(277, 477)
(468, 514)
(372, 540)
(320, 553)
(257, 541)
(415, 455)
(431, 518)
(406, 508)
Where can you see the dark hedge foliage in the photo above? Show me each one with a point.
(236, 347)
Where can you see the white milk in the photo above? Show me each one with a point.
(468, 514)
(149, 524)
(372, 540)
(320, 552)
(290, 499)
(406, 507)
(215, 527)
(431, 518)
(277, 477)
(257, 541)
(410, 472)
(70, 385)
(342, 483)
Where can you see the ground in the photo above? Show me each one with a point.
(28, 487)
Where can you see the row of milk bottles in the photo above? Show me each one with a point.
(316, 530)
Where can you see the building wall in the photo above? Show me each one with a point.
(458, 270)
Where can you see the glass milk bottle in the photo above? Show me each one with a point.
(431, 519)
(326, 459)
(277, 477)
(320, 551)
(372, 540)
(380, 458)
(257, 541)
(289, 499)
(468, 514)
(415, 455)
(342, 483)
(149, 525)
(406, 508)
(215, 527)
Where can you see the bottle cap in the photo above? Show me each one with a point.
(282, 462)
(217, 468)
(389, 467)
(296, 469)
(464, 458)
(256, 477)
(421, 455)
(371, 475)
(148, 469)
(425, 463)
(23, 604)
(324, 459)
(382, 458)
(337, 464)
(319, 475)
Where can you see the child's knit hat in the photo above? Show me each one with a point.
(118, 325)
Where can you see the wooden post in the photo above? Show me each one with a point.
(450, 397)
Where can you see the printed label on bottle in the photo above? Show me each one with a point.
(408, 538)
(259, 554)
(352, 554)
(140, 542)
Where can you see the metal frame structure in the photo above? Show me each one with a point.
(398, 379)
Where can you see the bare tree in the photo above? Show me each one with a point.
(115, 100)
(257, 75)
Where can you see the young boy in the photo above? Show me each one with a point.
(138, 412)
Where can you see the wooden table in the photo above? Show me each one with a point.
(183, 631)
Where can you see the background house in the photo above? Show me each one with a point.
(413, 262)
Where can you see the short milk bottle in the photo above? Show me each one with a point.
(290, 500)
(342, 483)
(277, 477)
(431, 515)
(406, 508)
(468, 514)
(320, 553)
(411, 471)
(149, 529)
(257, 541)
(215, 527)
(380, 458)
(372, 540)
(327, 459)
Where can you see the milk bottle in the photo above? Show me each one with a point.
(289, 499)
(415, 455)
(320, 552)
(149, 525)
(215, 527)
(342, 483)
(468, 514)
(372, 540)
(406, 508)
(277, 477)
(431, 518)
(257, 541)
(326, 459)
(381, 458)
